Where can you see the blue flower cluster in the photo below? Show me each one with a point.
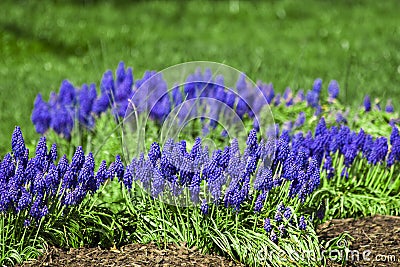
(348, 143)
(297, 158)
(173, 168)
(230, 177)
(234, 179)
(33, 185)
(81, 106)
(282, 219)
(368, 105)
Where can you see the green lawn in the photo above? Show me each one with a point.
(288, 43)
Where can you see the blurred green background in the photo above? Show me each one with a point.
(288, 43)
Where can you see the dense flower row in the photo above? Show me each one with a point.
(232, 178)
(325, 144)
(299, 156)
(82, 105)
(35, 184)
(298, 160)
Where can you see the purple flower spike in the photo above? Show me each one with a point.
(128, 178)
(274, 237)
(302, 223)
(288, 213)
(40, 115)
(317, 86)
(204, 207)
(18, 143)
(53, 153)
(301, 118)
(67, 94)
(267, 225)
(157, 183)
(333, 89)
(340, 118)
(78, 159)
(101, 175)
(260, 202)
(119, 168)
(389, 107)
(154, 153)
(312, 99)
(367, 103)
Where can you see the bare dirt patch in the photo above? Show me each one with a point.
(376, 239)
(130, 255)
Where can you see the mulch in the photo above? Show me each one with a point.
(376, 240)
(134, 255)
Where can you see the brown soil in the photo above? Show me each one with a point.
(134, 255)
(377, 238)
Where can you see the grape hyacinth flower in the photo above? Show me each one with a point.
(67, 93)
(119, 168)
(24, 201)
(86, 97)
(128, 178)
(282, 230)
(278, 216)
(268, 91)
(317, 86)
(78, 159)
(301, 118)
(41, 117)
(62, 121)
(394, 155)
(267, 225)
(74, 106)
(379, 151)
(41, 158)
(281, 208)
(277, 99)
(32, 185)
(333, 90)
(263, 181)
(101, 175)
(204, 207)
(195, 188)
(273, 237)
(288, 96)
(389, 107)
(18, 143)
(312, 99)
(302, 223)
(300, 96)
(367, 103)
(340, 118)
(53, 153)
(154, 153)
(288, 213)
(330, 170)
(318, 111)
(157, 183)
(258, 205)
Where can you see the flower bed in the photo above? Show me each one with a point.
(247, 199)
